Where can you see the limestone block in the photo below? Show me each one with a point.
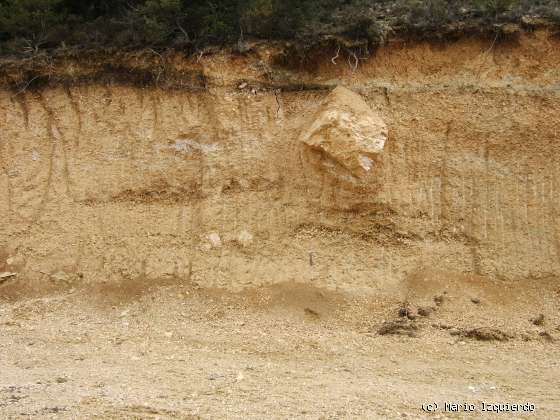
(347, 131)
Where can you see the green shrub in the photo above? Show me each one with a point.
(158, 20)
(429, 15)
(35, 22)
(29, 25)
(495, 7)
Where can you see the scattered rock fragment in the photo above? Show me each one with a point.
(538, 320)
(309, 311)
(215, 240)
(476, 301)
(442, 326)
(398, 327)
(245, 238)
(439, 300)
(485, 334)
(547, 336)
(454, 331)
(5, 276)
(62, 277)
(404, 311)
(425, 311)
(15, 261)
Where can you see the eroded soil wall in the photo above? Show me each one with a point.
(114, 182)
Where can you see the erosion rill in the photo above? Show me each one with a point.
(236, 171)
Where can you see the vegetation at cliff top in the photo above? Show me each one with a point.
(31, 26)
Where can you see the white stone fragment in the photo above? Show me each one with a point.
(215, 240)
(245, 238)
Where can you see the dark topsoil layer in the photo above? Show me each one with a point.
(129, 42)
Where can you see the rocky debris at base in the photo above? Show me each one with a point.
(483, 334)
(398, 327)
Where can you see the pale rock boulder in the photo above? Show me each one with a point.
(245, 238)
(347, 131)
(214, 240)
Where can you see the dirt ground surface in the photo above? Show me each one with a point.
(179, 351)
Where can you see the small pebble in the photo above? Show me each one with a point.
(539, 320)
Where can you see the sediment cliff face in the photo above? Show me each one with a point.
(227, 186)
